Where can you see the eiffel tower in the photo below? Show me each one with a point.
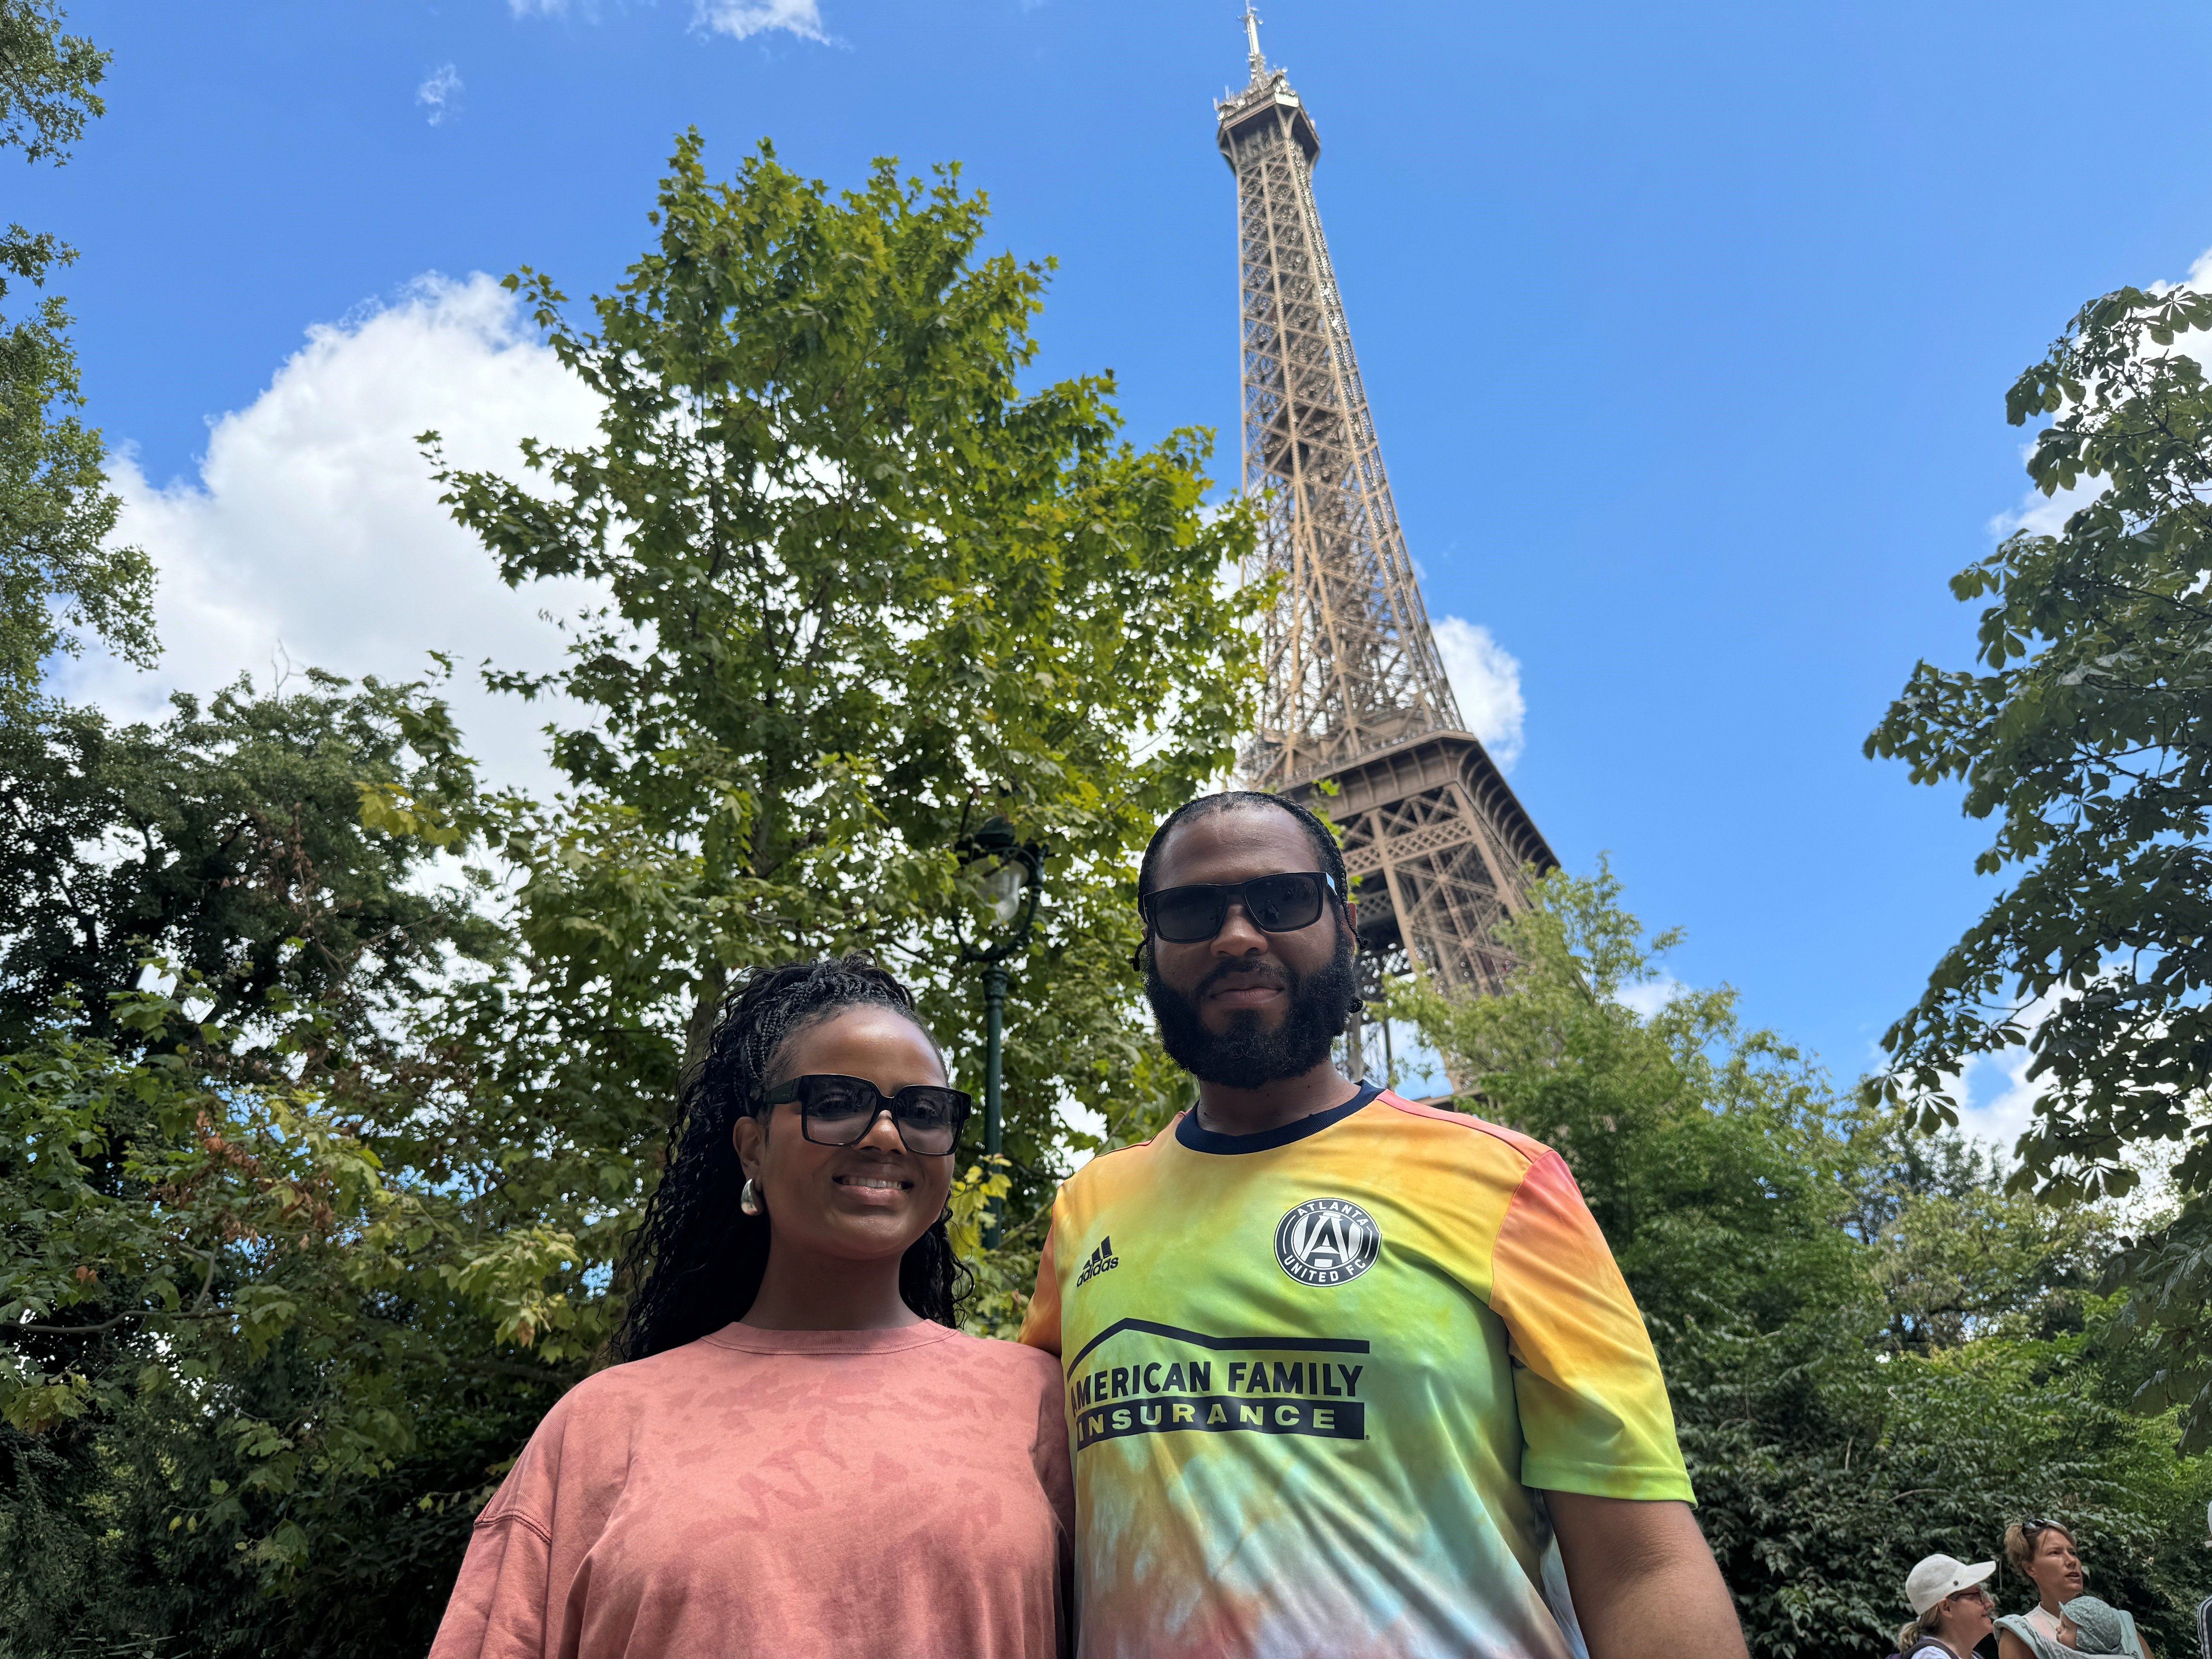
(1357, 719)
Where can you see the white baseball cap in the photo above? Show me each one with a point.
(1940, 1575)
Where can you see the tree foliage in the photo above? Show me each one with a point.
(58, 571)
(48, 81)
(864, 591)
(2083, 735)
(1873, 1351)
(250, 1316)
(227, 840)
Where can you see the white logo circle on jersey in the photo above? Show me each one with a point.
(1326, 1240)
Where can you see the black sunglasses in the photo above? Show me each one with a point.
(843, 1109)
(1276, 904)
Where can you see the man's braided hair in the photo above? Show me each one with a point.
(697, 1258)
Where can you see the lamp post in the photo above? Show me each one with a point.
(1011, 874)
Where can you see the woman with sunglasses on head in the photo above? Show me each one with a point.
(802, 1458)
(2044, 1553)
(1952, 1612)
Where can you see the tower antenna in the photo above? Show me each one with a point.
(1252, 34)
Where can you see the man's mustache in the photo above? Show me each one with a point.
(1246, 974)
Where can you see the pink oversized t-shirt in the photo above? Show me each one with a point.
(792, 1493)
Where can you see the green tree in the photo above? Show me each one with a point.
(222, 1320)
(228, 840)
(1960, 1258)
(57, 572)
(1872, 1353)
(259, 1346)
(2083, 734)
(863, 590)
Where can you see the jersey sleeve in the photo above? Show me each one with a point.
(1041, 1324)
(1595, 1418)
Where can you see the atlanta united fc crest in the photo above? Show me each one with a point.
(1326, 1240)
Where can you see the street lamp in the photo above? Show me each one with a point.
(1011, 876)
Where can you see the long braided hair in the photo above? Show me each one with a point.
(697, 1258)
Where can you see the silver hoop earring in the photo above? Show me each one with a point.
(748, 1197)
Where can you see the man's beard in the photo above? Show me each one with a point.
(1248, 1054)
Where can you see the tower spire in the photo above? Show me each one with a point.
(1356, 714)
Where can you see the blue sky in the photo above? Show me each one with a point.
(1687, 329)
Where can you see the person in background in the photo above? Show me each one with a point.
(1951, 1608)
(2044, 1553)
(802, 1458)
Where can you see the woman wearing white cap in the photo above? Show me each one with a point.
(1952, 1610)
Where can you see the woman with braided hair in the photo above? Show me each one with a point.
(801, 1456)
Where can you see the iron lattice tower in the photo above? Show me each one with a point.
(1355, 696)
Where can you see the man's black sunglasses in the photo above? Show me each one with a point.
(839, 1111)
(1276, 904)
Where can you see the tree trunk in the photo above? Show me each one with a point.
(714, 983)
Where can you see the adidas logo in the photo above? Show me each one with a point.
(1102, 1259)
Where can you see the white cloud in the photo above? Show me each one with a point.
(2046, 516)
(313, 533)
(1997, 1101)
(1647, 997)
(1486, 678)
(440, 94)
(741, 18)
(738, 18)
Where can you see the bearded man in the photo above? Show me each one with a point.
(1345, 1374)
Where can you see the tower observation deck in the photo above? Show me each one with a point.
(1435, 842)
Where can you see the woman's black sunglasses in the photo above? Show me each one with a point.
(839, 1111)
(1276, 904)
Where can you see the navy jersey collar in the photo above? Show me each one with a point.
(1201, 1140)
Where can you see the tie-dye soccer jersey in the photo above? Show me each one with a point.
(1312, 1375)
